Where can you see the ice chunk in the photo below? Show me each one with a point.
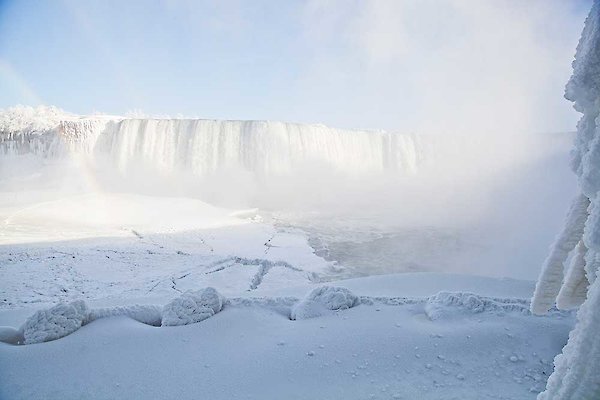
(192, 307)
(323, 300)
(55, 322)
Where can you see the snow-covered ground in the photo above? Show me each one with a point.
(402, 341)
(406, 336)
(126, 222)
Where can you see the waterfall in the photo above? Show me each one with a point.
(205, 147)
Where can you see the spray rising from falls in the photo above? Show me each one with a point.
(266, 164)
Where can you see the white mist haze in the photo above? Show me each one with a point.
(403, 66)
(445, 66)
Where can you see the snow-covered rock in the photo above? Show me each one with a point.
(323, 300)
(55, 322)
(192, 307)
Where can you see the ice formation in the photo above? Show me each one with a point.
(192, 307)
(323, 300)
(55, 322)
(577, 370)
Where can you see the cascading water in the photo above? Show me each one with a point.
(205, 147)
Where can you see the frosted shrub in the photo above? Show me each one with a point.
(192, 307)
(323, 300)
(55, 322)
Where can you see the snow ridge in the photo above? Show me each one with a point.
(195, 306)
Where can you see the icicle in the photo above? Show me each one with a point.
(574, 290)
(592, 261)
(551, 278)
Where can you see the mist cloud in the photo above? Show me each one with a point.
(444, 66)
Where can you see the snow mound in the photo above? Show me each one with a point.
(323, 300)
(146, 314)
(447, 304)
(192, 307)
(55, 322)
(10, 335)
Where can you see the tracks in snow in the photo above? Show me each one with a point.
(264, 266)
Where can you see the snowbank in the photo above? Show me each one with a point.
(323, 300)
(55, 322)
(192, 307)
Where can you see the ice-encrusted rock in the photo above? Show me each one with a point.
(324, 300)
(55, 322)
(192, 307)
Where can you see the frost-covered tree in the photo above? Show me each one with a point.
(576, 373)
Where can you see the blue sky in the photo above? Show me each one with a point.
(430, 65)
